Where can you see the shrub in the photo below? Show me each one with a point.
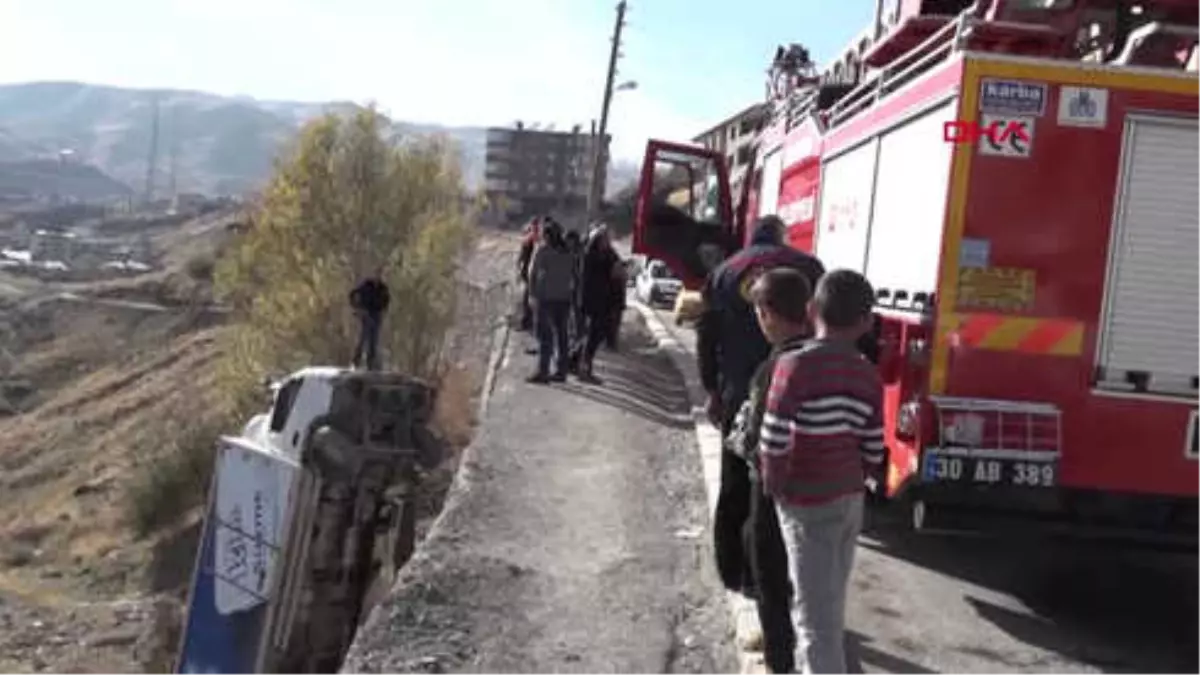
(171, 483)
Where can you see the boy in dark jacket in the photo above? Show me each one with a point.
(764, 548)
(369, 300)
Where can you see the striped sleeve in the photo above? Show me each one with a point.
(776, 435)
(870, 432)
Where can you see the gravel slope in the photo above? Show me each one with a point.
(575, 538)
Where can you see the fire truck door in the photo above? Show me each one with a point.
(684, 214)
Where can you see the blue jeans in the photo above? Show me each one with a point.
(552, 316)
(368, 341)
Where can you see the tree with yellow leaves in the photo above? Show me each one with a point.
(348, 196)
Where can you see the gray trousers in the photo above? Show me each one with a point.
(820, 542)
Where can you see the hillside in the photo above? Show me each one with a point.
(222, 145)
(81, 589)
(40, 176)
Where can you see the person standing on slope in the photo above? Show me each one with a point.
(751, 558)
(369, 299)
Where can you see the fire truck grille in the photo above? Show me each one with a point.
(997, 427)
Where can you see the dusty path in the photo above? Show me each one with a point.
(933, 604)
(575, 541)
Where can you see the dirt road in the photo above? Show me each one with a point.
(955, 604)
(575, 539)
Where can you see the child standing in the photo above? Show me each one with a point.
(784, 292)
(821, 427)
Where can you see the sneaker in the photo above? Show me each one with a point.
(558, 377)
(588, 377)
(538, 378)
(749, 631)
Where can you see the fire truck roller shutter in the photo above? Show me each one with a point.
(772, 175)
(1148, 332)
(909, 210)
(847, 183)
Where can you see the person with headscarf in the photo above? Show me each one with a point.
(532, 235)
(751, 558)
(601, 273)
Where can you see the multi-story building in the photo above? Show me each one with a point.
(735, 138)
(538, 171)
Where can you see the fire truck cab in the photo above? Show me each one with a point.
(1037, 292)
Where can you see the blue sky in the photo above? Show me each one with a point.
(461, 62)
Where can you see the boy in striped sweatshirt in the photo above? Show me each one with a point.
(821, 435)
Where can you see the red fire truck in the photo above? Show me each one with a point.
(1037, 290)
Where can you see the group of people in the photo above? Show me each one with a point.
(784, 352)
(574, 295)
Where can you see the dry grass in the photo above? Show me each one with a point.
(454, 414)
(75, 464)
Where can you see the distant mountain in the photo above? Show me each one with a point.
(221, 145)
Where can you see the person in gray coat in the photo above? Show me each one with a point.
(552, 290)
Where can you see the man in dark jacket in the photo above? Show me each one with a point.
(552, 280)
(751, 557)
(370, 300)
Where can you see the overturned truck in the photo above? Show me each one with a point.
(310, 514)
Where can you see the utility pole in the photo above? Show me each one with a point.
(152, 160)
(600, 148)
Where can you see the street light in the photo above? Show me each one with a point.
(626, 86)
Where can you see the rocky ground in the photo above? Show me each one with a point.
(575, 540)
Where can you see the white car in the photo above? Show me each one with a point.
(656, 285)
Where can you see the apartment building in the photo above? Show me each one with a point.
(735, 138)
(530, 171)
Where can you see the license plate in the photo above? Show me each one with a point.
(988, 471)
